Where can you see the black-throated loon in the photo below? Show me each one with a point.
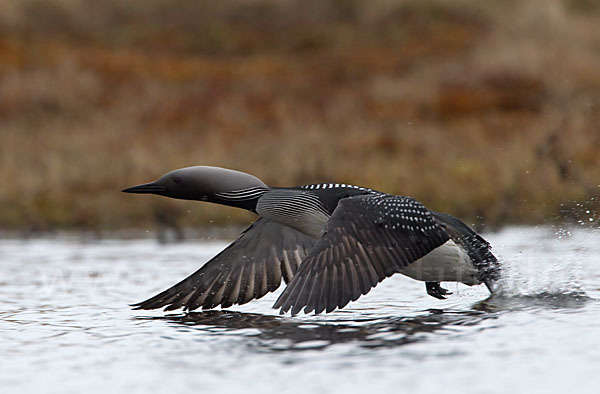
(330, 242)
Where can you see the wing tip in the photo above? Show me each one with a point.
(139, 306)
(149, 304)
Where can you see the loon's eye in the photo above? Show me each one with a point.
(177, 179)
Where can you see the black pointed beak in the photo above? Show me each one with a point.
(146, 188)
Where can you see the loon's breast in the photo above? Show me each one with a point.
(446, 263)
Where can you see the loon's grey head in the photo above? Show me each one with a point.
(198, 183)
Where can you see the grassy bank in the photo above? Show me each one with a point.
(489, 111)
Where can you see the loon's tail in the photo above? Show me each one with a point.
(479, 250)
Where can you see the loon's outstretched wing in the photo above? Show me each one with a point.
(247, 269)
(367, 239)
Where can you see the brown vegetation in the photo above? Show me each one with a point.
(480, 109)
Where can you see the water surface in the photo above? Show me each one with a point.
(65, 326)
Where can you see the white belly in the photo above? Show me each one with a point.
(447, 263)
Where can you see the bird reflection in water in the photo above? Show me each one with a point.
(279, 333)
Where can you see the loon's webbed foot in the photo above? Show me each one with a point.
(435, 290)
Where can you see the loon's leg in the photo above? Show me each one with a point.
(435, 290)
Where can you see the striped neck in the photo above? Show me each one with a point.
(242, 198)
(295, 208)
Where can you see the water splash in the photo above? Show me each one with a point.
(559, 269)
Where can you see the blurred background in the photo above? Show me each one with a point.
(486, 110)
